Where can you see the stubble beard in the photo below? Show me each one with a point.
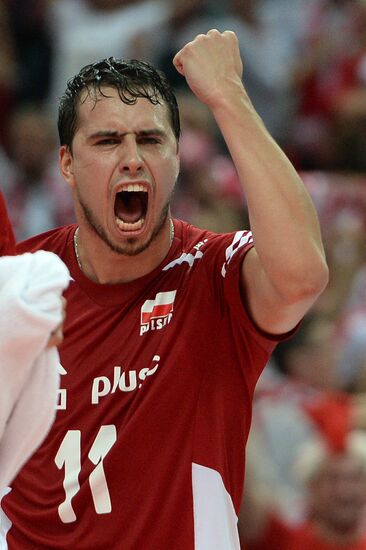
(133, 246)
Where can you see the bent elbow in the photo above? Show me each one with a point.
(318, 277)
(307, 284)
(323, 276)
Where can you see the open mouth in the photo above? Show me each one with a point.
(130, 207)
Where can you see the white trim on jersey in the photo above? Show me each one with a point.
(215, 520)
(184, 257)
(241, 238)
(5, 523)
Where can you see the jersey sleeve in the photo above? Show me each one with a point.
(228, 252)
(7, 240)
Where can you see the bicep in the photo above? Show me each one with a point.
(271, 311)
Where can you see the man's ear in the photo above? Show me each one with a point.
(66, 164)
(178, 165)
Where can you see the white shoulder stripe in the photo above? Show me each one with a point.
(241, 238)
(184, 257)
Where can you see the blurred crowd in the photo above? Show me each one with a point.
(305, 71)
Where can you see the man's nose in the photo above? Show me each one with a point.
(131, 160)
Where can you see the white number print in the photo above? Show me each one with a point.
(69, 458)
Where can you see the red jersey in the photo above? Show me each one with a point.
(7, 242)
(147, 450)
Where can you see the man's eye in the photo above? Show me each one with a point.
(148, 140)
(107, 141)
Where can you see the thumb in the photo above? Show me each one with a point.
(178, 64)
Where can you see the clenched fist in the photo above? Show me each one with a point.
(211, 65)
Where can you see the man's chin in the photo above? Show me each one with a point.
(132, 248)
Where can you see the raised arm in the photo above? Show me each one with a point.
(286, 270)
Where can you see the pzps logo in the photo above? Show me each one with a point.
(157, 313)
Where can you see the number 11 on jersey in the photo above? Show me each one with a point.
(69, 458)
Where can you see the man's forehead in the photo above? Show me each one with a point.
(93, 95)
(111, 115)
(108, 99)
(90, 94)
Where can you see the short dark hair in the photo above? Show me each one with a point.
(132, 79)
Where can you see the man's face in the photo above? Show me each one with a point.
(339, 494)
(122, 170)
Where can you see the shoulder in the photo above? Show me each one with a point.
(188, 233)
(191, 236)
(221, 253)
(54, 240)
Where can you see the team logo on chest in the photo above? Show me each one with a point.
(157, 313)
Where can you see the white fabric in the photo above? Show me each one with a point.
(5, 523)
(215, 520)
(30, 308)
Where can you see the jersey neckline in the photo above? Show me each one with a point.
(114, 294)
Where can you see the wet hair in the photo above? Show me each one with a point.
(132, 79)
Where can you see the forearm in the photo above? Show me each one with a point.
(286, 271)
(282, 217)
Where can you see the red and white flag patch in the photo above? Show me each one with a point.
(157, 313)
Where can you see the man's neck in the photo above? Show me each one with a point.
(104, 266)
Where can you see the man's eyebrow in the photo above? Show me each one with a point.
(152, 132)
(105, 133)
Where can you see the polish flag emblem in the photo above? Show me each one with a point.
(159, 308)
